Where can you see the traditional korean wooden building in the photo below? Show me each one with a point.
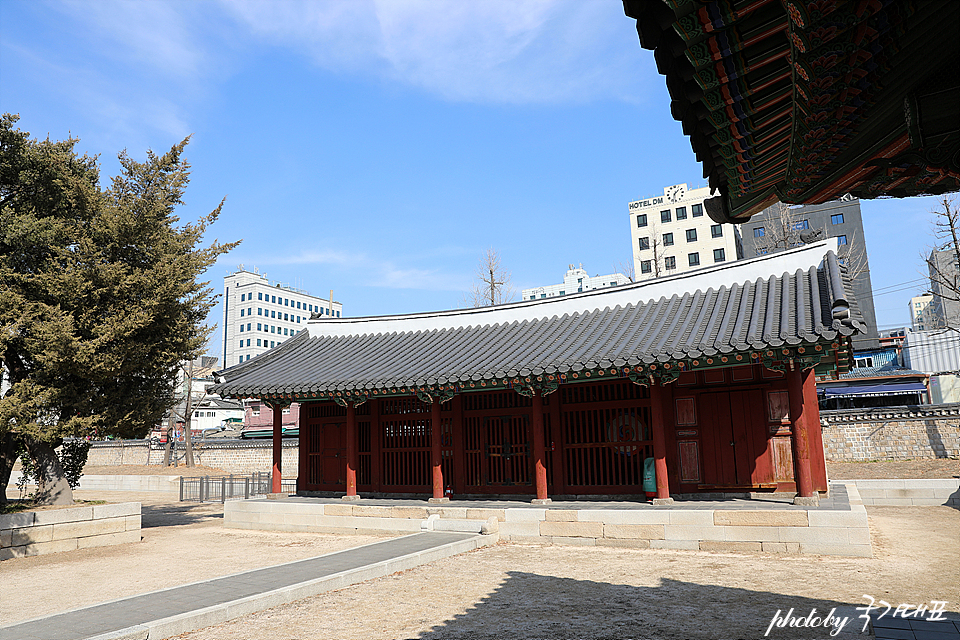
(710, 374)
(803, 101)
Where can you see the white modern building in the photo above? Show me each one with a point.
(671, 234)
(259, 314)
(576, 280)
(922, 315)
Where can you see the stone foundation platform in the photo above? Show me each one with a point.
(838, 526)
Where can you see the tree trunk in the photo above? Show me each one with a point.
(8, 457)
(170, 432)
(52, 485)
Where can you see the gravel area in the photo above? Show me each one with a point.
(515, 591)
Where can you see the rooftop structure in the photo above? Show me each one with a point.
(576, 280)
(802, 102)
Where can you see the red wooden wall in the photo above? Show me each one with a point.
(726, 429)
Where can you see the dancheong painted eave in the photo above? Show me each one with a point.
(795, 305)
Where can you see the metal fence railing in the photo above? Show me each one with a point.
(232, 487)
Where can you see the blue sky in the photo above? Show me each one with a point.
(379, 148)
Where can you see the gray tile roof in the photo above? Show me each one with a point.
(886, 371)
(804, 299)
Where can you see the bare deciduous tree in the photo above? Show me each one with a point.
(493, 285)
(781, 229)
(943, 263)
(655, 245)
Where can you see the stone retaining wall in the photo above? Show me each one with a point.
(894, 433)
(899, 493)
(233, 456)
(32, 533)
(793, 531)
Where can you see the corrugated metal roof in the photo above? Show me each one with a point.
(714, 312)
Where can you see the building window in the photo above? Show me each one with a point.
(543, 295)
(285, 317)
(761, 252)
(693, 259)
(260, 296)
(563, 293)
(716, 231)
(719, 255)
(803, 224)
(338, 314)
(242, 297)
(241, 328)
(285, 331)
(241, 312)
(271, 344)
(272, 329)
(665, 216)
(644, 244)
(691, 235)
(668, 239)
(758, 232)
(681, 213)
(298, 304)
(286, 302)
(248, 342)
(669, 263)
(533, 297)
(696, 210)
(241, 344)
(864, 362)
(642, 220)
(273, 299)
(248, 326)
(842, 239)
(259, 311)
(258, 342)
(241, 358)
(836, 218)
(259, 327)
(645, 266)
(273, 314)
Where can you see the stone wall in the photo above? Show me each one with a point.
(31, 533)
(891, 433)
(233, 456)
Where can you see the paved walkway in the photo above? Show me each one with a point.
(209, 602)
(890, 628)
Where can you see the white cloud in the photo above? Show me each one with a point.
(369, 271)
(492, 51)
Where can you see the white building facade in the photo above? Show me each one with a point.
(259, 314)
(672, 234)
(576, 280)
(922, 315)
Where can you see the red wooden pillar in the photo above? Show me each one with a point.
(436, 457)
(351, 452)
(811, 411)
(277, 447)
(659, 443)
(800, 438)
(539, 455)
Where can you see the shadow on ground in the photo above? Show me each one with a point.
(528, 605)
(166, 515)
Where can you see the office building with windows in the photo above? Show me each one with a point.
(671, 234)
(922, 315)
(576, 280)
(781, 227)
(944, 278)
(259, 314)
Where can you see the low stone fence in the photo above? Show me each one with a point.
(233, 456)
(32, 533)
(899, 493)
(891, 433)
(146, 484)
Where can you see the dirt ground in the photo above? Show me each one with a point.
(510, 590)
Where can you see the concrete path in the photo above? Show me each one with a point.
(179, 609)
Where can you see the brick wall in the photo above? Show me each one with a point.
(232, 456)
(892, 433)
